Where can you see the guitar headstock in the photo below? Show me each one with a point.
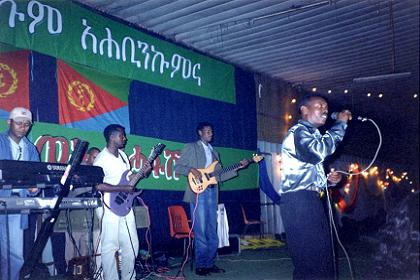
(257, 158)
(156, 150)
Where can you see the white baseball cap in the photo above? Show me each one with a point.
(20, 114)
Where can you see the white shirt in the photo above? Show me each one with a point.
(17, 149)
(208, 149)
(113, 167)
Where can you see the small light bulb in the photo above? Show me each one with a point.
(369, 94)
(314, 89)
(329, 91)
(346, 91)
(293, 101)
(380, 95)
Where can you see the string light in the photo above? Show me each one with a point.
(314, 89)
(389, 174)
(350, 188)
(293, 101)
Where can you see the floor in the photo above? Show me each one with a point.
(260, 260)
(273, 263)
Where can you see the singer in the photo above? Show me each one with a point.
(303, 181)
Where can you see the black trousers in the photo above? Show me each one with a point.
(307, 235)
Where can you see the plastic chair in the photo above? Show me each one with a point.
(249, 222)
(179, 227)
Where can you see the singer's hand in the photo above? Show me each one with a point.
(334, 177)
(344, 116)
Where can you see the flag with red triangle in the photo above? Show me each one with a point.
(14, 81)
(89, 99)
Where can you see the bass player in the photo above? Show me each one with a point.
(194, 156)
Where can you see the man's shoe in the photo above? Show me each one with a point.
(215, 269)
(202, 271)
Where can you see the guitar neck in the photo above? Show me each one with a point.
(227, 169)
(139, 175)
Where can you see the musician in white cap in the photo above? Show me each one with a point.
(15, 146)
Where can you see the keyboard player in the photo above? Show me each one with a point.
(14, 145)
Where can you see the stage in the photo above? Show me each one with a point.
(269, 263)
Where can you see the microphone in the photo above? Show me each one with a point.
(334, 116)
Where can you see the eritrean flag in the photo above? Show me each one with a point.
(91, 100)
(14, 81)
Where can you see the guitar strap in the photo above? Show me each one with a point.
(122, 158)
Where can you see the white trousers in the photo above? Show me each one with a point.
(118, 233)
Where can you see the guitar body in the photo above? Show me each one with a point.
(120, 203)
(199, 186)
(209, 176)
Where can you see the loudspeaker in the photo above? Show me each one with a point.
(141, 214)
(79, 268)
(234, 247)
(80, 220)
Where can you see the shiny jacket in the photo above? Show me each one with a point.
(303, 152)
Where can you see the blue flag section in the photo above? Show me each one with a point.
(43, 88)
(265, 183)
(167, 114)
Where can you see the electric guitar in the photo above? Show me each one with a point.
(208, 175)
(121, 202)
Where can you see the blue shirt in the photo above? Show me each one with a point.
(29, 153)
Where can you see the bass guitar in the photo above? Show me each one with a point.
(121, 202)
(209, 176)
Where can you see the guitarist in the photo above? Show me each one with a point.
(201, 154)
(118, 232)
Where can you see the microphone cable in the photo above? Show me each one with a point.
(377, 149)
(190, 241)
(333, 227)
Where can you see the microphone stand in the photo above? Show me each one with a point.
(47, 227)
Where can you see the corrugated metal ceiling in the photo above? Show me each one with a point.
(313, 43)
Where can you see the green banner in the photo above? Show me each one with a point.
(65, 30)
(56, 144)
